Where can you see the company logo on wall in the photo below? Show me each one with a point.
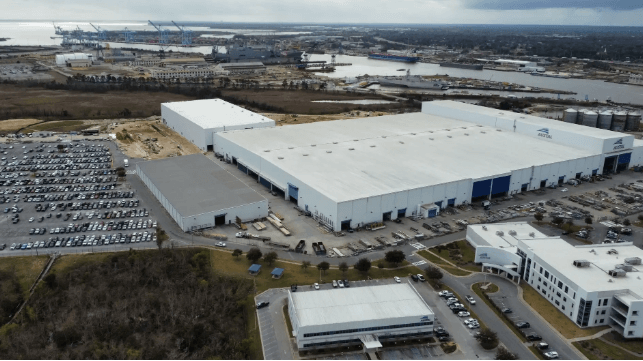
(484, 256)
(619, 144)
(424, 318)
(544, 133)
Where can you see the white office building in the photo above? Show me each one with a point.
(358, 315)
(199, 120)
(593, 285)
(349, 173)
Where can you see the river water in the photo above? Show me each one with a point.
(583, 87)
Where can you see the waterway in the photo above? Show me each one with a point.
(593, 89)
(361, 102)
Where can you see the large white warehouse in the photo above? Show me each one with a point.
(198, 193)
(360, 315)
(353, 172)
(198, 120)
(593, 285)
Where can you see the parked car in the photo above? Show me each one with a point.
(542, 345)
(397, 279)
(316, 286)
(522, 324)
(415, 278)
(220, 244)
(421, 278)
(340, 283)
(470, 299)
(463, 314)
(551, 355)
(335, 284)
(346, 284)
(533, 337)
(262, 304)
(506, 310)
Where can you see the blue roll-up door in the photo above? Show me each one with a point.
(433, 213)
(481, 188)
(293, 191)
(242, 168)
(624, 158)
(501, 185)
(401, 212)
(594, 171)
(265, 182)
(451, 202)
(439, 204)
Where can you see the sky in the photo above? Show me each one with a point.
(539, 12)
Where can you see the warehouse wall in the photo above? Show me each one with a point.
(192, 132)
(164, 202)
(246, 212)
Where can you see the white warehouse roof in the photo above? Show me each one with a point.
(370, 303)
(215, 113)
(357, 158)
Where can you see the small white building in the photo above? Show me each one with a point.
(593, 285)
(199, 120)
(65, 59)
(359, 315)
(199, 193)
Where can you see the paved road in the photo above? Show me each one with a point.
(272, 326)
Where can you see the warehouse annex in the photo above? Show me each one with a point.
(352, 172)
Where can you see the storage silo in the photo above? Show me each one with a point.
(633, 121)
(618, 121)
(605, 119)
(570, 115)
(590, 119)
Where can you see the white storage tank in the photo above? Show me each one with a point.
(605, 119)
(633, 121)
(618, 121)
(581, 114)
(590, 119)
(570, 115)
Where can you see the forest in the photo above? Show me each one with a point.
(133, 305)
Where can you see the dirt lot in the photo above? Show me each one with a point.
(13, 125)
(137, 140)
(287, 119)
(39, 103)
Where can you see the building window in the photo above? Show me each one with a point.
(558, 294)
(632, 323)
(595, 321)
(605, 301)
(602, 320)
(541, 270)
(539, 280)
(566, 289)
(560, 285)
(630, 333)
(563, 307)
(546, 274)
(557, 303)
(597, 313)
(539, 288)
(603, 312)
(545, 284)
(635, 313)
(564, 299)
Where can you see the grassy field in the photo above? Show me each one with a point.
(556, 318)
(39, 103)
(57, 126)
(293, 274)
(26, 268)
(442, 264)
(464, 257)
(301, 102)
(493, 289)
(632, 345)
(596, 349)
(536, 352)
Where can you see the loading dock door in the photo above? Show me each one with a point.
(386, 216)
(561, 180)
(293, 193)
(242, 168)
(543, 183)
(265, 182)
(624, 161)
(433, 213)
(610, 165)
(481, 188)
(439, 204)
(524, 187)
(401, 213)
(346, 225)
(219, 220)
(451, 202)
(501, 185)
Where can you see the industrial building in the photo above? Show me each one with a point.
(353, 172)
(74, 60)
(198, 193)
(202, 72)
(199, 120)
(359, 315)
(593, 285)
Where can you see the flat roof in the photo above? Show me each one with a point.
(534, 120)
(595, 276)
(356, 304)
(215, 113)
(500, 235)
(194, 184)
(358, 158)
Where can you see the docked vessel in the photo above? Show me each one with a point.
(394, 57)
(264, 54)
(411, 81)
(462, 66)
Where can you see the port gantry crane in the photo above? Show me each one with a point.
(101, 35)
(129, 35)
(186, 34)
(163, 39)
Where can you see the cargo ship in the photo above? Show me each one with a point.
(411, 81)
(462, 66)
(394, 57)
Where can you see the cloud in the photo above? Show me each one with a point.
(618, 5)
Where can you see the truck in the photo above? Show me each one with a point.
(126, 162)
(251, 236)
(300, 246)
(486, 205)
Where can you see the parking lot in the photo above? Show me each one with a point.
(67, 194)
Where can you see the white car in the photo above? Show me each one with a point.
(220, 244)
(340, 283)
(334, 284)
(551, 354)
(31, 219)
(463, 314)
(316, 285)
(397, 279)
(470, 299)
